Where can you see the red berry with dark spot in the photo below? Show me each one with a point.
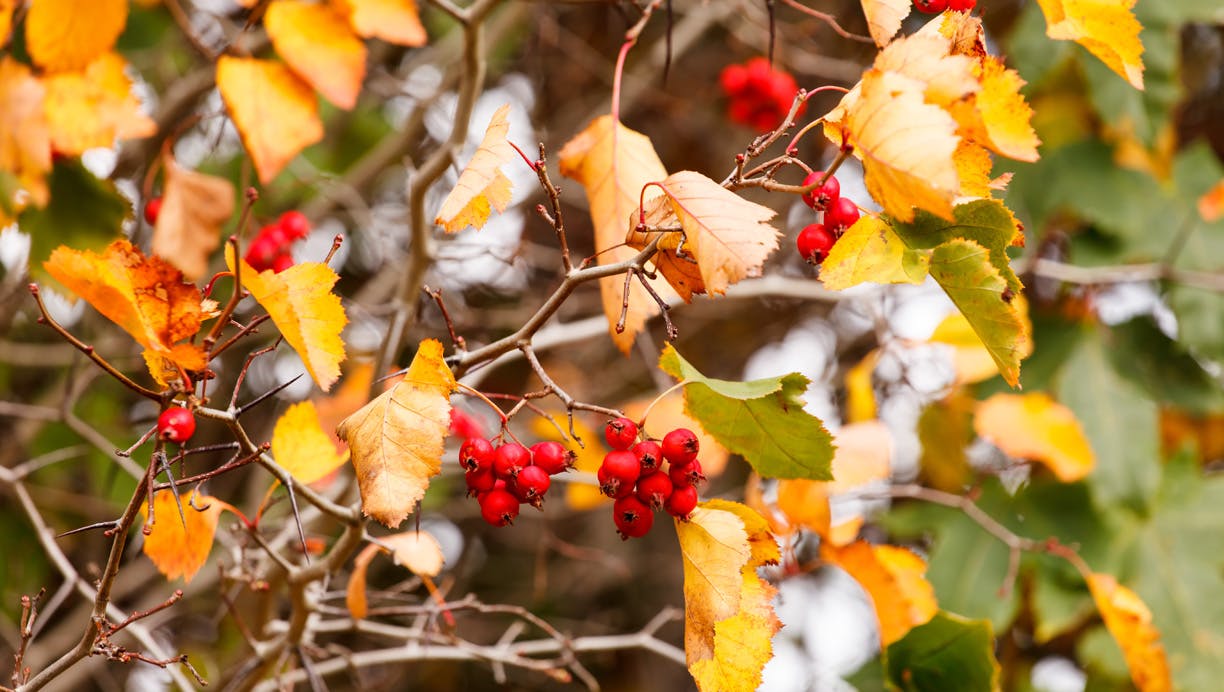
(654, 489)
(814, 243)
(295, 224)
(820, 198)
(553, 457)
(686, 474)
(682, 502)
(620, 433)
(649, 455)
(531, 485)
(841, 215)
(632, 517)
(176, 424)
(509, 459)
(476, 454)
(618, 472)
(931, 6)
(480, 481)
(680, 446)
(961, 5)
(498, 507)
(152, 210)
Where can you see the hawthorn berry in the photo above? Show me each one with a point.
(498, 507)
(618, 472)
(819, 198)
(758, 95)
(510, 459)
(464, 424)
(682, 475)
(654, 488)
(814, 243)
(620, 433)
(961, 5)
(682, 502)
(479, 481)
(282, 262)
(476, 454)
(632, 517)
(680, 446)
(262, 253)
(294, 224)
(530, 485)
(152, 210)
(931, 6)
(841, 215)
(553, 457)
(176, 424)
(649, 455)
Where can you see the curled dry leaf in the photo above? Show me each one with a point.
(1128, 619)
(1034, 426)
(892, 577)
(394, 21)
(301, 447)
(317, 43)
(179, 545)
(482, 186)
(397, 439)
(69, 34)
(1107, 28)
(194, 207)
(416, 551)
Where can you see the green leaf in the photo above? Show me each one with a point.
(762, 420)
(986, 222)
(947, 653)
(1144, 354)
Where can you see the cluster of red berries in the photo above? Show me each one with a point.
(271, 247)
(937, 6)
(632, 474)
(176, 424)
(817, 239)
(759, 95)
(503, 477)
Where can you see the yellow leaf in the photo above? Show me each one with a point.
(728, 236)
(94, 107)
(973, 167)
(945, 430)
(194, 207)
(1107, 28)
(892, 577)
(301, 447)
(1005, 116)
(729, 621)
(70, 34)
(884, 18)
(1034, 426)
(613, 163)
(301, 304)
(481, 186)
(6, 19)
(946, 78)
(394, 21)
(970, 356)
(25, 138)
(870, 251)
(1128, 619)
(342, 402)
(178, 549)
(144, 295)
(416, 551)
(963, 30)
(397, 439)
(1211, 204)
(275, 112)
(860, 391)
(668, 414)
(315, 40)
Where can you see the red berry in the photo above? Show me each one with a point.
(620, 433)
(814, 243)
(152, 209)
(464, 424)
(531, 485)
(820, 198)
(262, 253)
(685, 474)
(682, 502)
(632, 517)
(176, 424)
(476, 454)
(649, 455)
(733, 79)
(553, 457)
(931, 6)
(654, 489)
(961, 5)
(282, 262)
(276, 235)
(479, 481)
(498, 507)
(840, 215)
(680, 446)
(618, 472)
(295, 224)
(509, 459)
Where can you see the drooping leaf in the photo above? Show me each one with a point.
(762, 420)
(729, 621)
(397, 439)
(970, 356)
(310, 317)
(69, 34)
(884, 18)
(315, 40)
(892, 577)
(1130, 622)
(301, 447)
(871, 251)
(178, 549)
(1034, 426)
(194, 208)
(416, 551)
(482, 186)
(25, 138)
(93, 106)
(394, 21)
(1107, 28)
(948, 650)
(274, 111)
(1003, 122)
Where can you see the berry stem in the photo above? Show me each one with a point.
(657, 399)
(631, 37)
(476, 393)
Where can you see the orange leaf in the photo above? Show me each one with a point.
(1005, 116)
(892, 577)
(25, 138)
(92, 107)
(613, 163)
(481, 186)
(70, 34)
(144, 295)
(180, 549)
(194, 207)
(275, 112)
(1211, 204)
(729, 621)
(884, 18)
(317, 43)
(1034, 426)
(1107, 28)
(355, 592)
(1128, 619)
(394, 21)
(6, 19)
(310, 317)
(301, 447)
(397, 439)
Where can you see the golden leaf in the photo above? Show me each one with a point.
(1128, 619)
(355, 593)
(481, 187)
(397, 439)
(973, 167)
(884, 18)
(860, 390)
(70, 34)
(892, 577)
(274, 111)
(94, 107)
(6, 19)
(416, 551)
(179, 550)
(25, 138)
(301, 447)
(146, 296)
(316, 42)
(729, 621)
(1005, 116)
(194, 207)
(394, 21)
(870, 251)
(945, 77)
(301, 304)
(1107, 28)
(613, 163)
(1034, 426)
